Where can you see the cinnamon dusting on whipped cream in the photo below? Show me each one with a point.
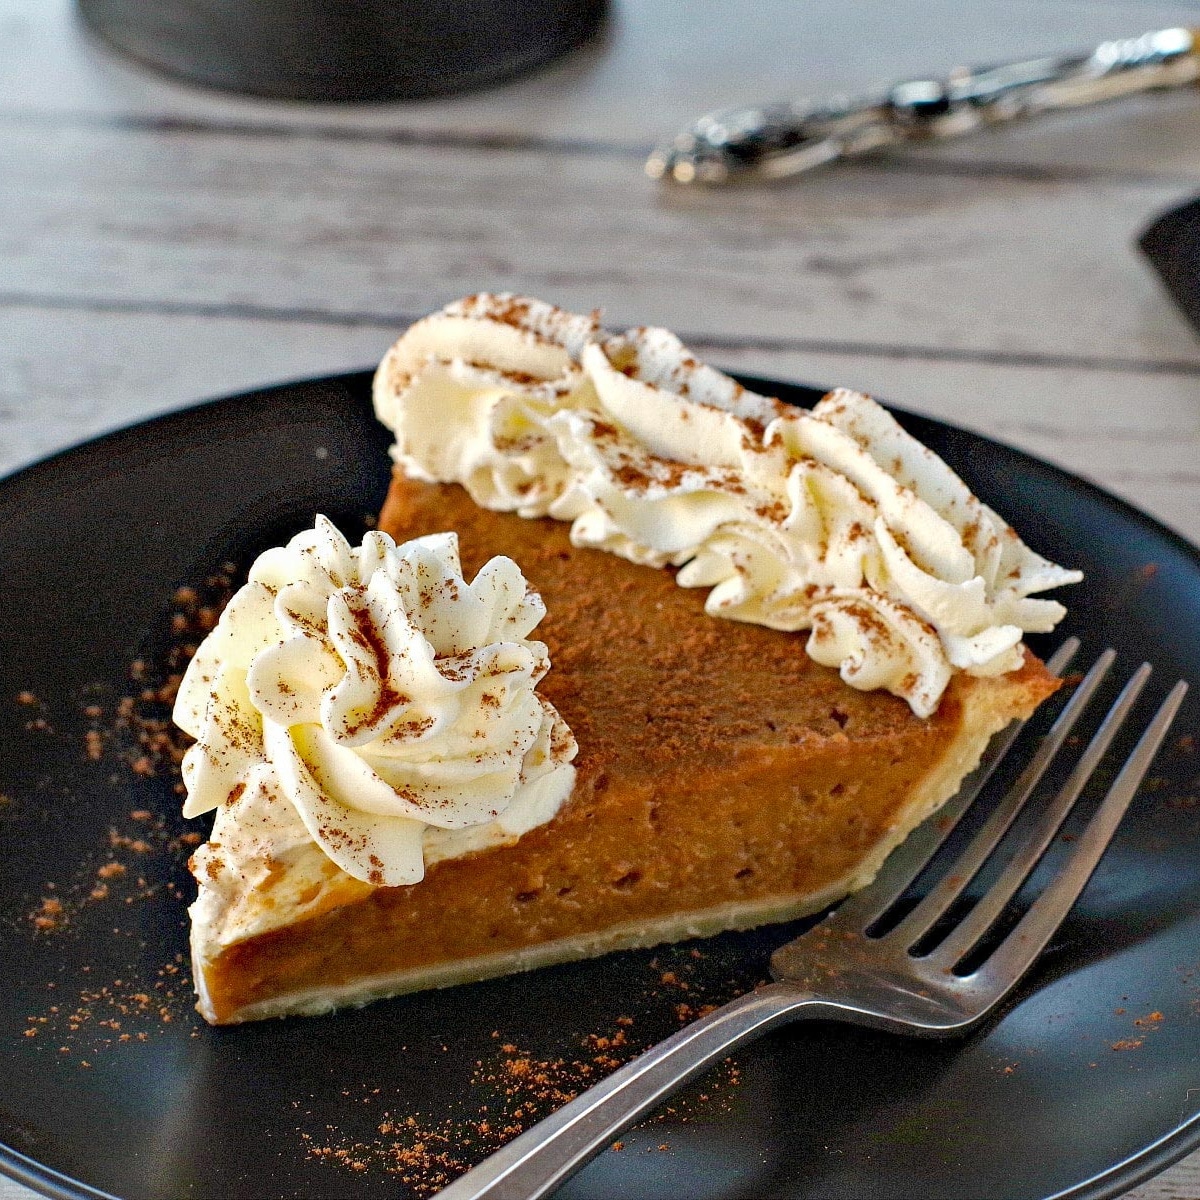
(361, 712)
(834, 521)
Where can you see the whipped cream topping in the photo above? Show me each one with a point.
(374, 703)
(469, 391)
(836, 520)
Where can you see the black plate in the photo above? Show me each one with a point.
(110, 1082)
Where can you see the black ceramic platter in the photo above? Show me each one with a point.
(110, 1084)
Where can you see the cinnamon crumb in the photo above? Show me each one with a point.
(1128, 1044)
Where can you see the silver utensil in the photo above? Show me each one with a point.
(771, 141)
(856, 967)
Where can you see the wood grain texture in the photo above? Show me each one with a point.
(161, 244)
(942, 262)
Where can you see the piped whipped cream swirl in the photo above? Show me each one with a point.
(388, 701)
(834, 520)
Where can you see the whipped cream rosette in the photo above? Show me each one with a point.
(834, 520)
(489, 375)
(373, 703)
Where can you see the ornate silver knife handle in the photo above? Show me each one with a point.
(772, 141)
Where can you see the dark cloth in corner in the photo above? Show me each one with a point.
(1172, 244)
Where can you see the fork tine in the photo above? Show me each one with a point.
(861, 910)
(1002, 816)
(1029, 937)
(980, 919)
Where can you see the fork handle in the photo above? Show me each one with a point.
(547, 1155)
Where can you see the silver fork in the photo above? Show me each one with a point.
(853, 966)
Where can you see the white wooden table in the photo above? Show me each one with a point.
(160, 244)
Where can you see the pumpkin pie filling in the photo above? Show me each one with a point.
(724, 780)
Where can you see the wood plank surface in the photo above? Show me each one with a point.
(161, 243)
(891, 254)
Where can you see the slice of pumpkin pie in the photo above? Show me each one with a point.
(691, 660)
